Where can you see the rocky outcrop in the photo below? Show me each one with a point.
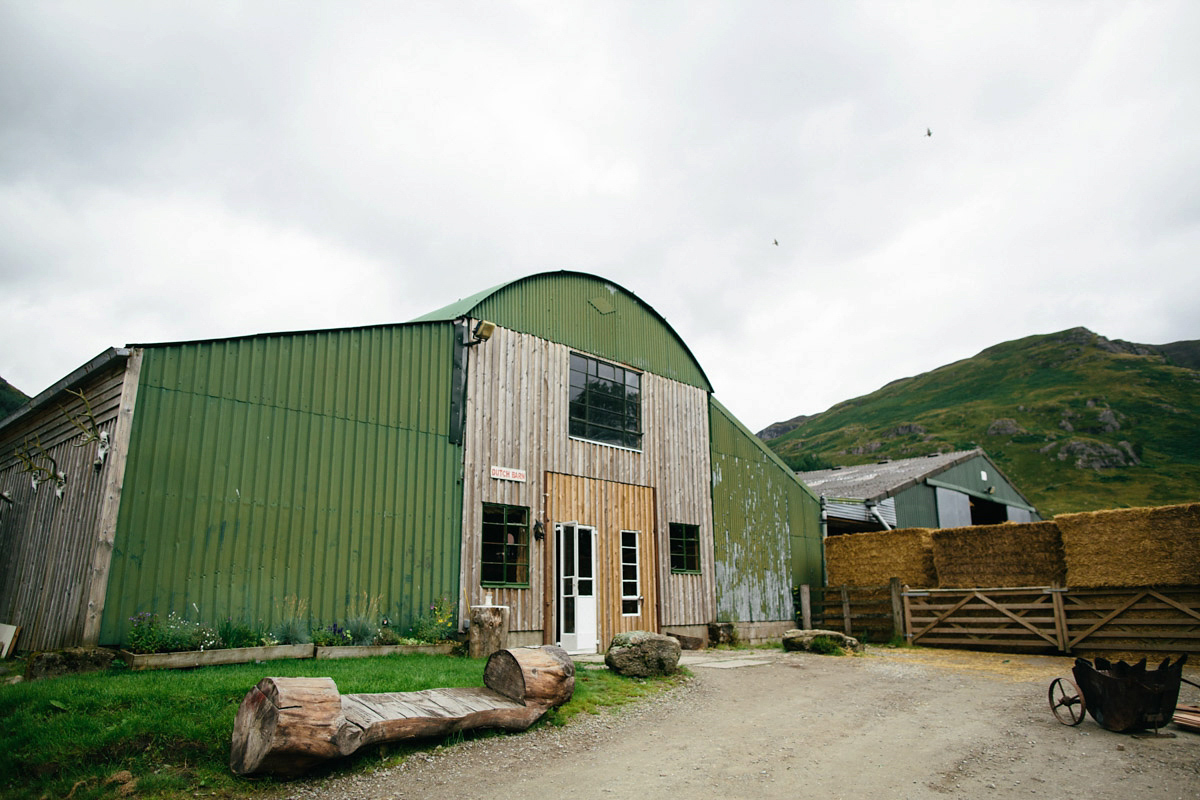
(1004, 426)
(642, 654)
(905, 430)
(780, 428)
(1090, 454)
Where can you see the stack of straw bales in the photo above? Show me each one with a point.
(873, 559)
(1009, 554)
(1132, 546)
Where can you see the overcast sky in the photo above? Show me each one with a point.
(182, 170)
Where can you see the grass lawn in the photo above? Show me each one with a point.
(171, 729)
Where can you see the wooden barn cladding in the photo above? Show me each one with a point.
(57, 550)
(518, 411)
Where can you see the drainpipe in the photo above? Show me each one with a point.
(824, 535)
(874, 509)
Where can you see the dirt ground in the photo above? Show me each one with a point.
(916, 723)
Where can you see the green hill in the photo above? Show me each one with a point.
(10, 399)
(1077, 421)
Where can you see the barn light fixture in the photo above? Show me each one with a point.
(483, 331)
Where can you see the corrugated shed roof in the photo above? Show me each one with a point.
(549, 305)
(876, 481)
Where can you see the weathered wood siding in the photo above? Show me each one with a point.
(611, 508)
(517, 412)
(56, 552)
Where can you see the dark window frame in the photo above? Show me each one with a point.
(684, 548)
(604, 402)
(504, 546)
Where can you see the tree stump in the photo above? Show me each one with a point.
(489, 630)
(285, 726)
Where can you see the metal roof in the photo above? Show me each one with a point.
(543, 289)
(869, 482)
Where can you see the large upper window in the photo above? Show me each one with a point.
(605, 403)
(685, 547)
(505, 557)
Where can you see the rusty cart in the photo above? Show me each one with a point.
(1121, 697)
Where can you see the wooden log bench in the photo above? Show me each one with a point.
(285, 726)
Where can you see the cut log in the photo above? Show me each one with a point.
(532, 675)
(285, 726)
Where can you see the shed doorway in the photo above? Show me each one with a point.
(601, 574)
(575, 546)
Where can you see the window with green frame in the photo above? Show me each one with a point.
(504, 559)
(685, 547)
(605, 403)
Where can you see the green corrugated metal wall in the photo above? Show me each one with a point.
(766, 525)
(309, 465)
(965, 476)
(559, 306)
(916, 507)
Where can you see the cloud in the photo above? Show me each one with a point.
(171, 172)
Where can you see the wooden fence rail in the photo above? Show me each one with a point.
(870, 613)
(1056, 618)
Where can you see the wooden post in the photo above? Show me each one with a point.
(489, 630)
(846, 610)
(908, 627)
(1060, 615)
(285, 726)
(897, 609)
(806, 606)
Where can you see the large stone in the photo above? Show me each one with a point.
(802, 640)
(641, 654)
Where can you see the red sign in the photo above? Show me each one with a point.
(508, 474)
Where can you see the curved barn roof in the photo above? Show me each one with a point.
(586, 312)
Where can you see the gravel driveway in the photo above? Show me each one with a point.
(765, 724)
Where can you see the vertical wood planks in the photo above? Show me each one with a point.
(517, 417)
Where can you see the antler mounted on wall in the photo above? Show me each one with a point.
(39, 472)
(87, 423)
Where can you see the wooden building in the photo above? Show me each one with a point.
(551, 443)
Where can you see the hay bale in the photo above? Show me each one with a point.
(873, 559)
(989, 556)
(1133, 546)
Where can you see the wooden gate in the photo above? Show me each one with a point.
(869, 613)
(1054, 618)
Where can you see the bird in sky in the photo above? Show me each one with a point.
(777, 243)
(928, 132)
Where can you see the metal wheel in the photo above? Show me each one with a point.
(1066, 702)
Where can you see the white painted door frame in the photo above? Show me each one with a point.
(575, 587)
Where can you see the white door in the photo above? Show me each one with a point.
(576, 587)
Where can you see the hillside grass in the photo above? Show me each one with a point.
(1040, 382)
